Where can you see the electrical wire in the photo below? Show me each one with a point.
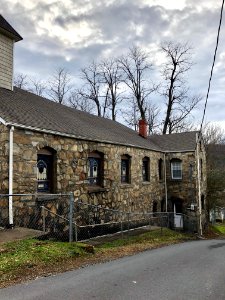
(211, 73)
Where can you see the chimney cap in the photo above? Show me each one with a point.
(8, 30)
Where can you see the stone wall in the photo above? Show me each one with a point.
(71, 158)
(71, 171)
(4, 159)
(185, 189)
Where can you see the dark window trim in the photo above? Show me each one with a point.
(172, 161)
(146, 168)
(96, 157)
(125, 163)
(160, 169)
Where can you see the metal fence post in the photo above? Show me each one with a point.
(121, 223)
(43, 216)
(71, 218)
(75, 223)
(128, 220)
(161, 224)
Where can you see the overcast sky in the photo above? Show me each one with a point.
(72, 33)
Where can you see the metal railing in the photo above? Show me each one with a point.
(60, 216)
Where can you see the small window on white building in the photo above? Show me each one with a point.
(176, 169)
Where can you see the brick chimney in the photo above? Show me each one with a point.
(143, 128)
(8, 36)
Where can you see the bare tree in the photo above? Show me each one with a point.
(179, 104)
(152, 118)
(76, 100)
(132, 117)
(136, 66)
(93, 88)
(21, 81)
(38, 87)
(59, 85)
(213, 134)
(112, 77)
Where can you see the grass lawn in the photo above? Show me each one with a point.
(27, 259)
(219, 228)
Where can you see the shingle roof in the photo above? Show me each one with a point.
(185, 141)
(24, 109)
(9, 30)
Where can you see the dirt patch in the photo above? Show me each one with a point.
(18, 233)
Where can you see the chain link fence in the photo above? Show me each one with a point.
(62, 217)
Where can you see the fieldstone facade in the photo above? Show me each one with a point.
(70, 161)
(71, 170)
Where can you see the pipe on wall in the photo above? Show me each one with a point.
(165, 183)
(11, 176)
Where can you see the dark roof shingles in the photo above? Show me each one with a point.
(25, 108)
(185, 141)
(7, 27)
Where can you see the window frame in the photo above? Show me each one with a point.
(172, 169)
(95, 180)
(46, 159)
(160, 169)
(146, 168)
(126, 161)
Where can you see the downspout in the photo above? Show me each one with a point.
(165, 183)
(199, 188)
(11, 176)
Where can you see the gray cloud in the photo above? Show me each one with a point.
(114, 27)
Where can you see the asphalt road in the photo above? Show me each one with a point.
(192, 270)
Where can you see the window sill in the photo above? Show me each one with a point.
(96, 189)
(176, 180)
(146, 182)
(45, 197)
(126, 185)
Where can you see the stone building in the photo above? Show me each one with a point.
(46, 147)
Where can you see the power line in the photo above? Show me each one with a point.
(214, 59)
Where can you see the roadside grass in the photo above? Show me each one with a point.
(25, 259)
(154, 237)
(22, 255)
(219, 228)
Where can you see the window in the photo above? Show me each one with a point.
(95, 168)
(160, 169)
(125, 169)
(46, 170)
(176, 169)
(145, 169)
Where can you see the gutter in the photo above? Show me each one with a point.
(89, 139)
(165, 183)
(11, 176)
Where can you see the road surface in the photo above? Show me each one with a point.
(192, 270)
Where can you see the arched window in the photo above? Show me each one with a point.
(125, 169)
(46, 170)
(146, 169)
(95, 168)
(176, 168)
(160, 168)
